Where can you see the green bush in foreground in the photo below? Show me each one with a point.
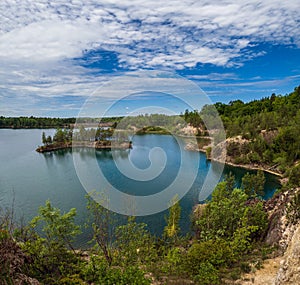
(228, 228)
(207, 274)
(99, 272)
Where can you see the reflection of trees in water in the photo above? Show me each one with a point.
(57, 155)
(101, 153)
(121, 153)
(85, 153)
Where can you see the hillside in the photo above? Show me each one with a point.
(261, 134)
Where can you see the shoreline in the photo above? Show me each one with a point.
(244, 166)
(91, 145)
(127, 145)
(254, 168)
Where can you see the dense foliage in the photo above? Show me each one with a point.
(267, 131)
(82, 134)
(271, 125)
(227, 230)
(34, 122)
(48, 122)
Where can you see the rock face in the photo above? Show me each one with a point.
(281, 270)
(289, 272)
(280, 228)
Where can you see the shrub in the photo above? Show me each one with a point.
(294, 176)
(216, 252)
(207, 274)
(293, 209)
(99, 272)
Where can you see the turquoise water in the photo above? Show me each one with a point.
(28, 178)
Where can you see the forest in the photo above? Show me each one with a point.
(268, 129)
(48, 122)
(34, 122)
(271, 125)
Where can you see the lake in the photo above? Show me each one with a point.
(28, 178)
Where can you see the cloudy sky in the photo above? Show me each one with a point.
(55, 54)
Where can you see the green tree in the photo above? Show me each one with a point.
(59, 136)
(223, 215)
(44, 139)
(103, 222)
(294, 176)
(49, 140)
(217, 252)
(172, 228)
(51, 258)
(230, 182)
(253, 184)
(134, 243)
(97, 271)
(57, 227)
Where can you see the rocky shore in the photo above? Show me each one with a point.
(218, 154)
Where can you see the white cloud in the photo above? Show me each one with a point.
(39, 38)
(58, 29)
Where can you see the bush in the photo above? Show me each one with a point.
(173, 261)
(99, 272)
(51, 256)
(72, 280)
(294, 176)
(207, 274)
(254, 157)
(215, 252)
(243, 159)
(293, 209)
(208, 152)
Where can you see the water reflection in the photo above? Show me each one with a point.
(33, 177)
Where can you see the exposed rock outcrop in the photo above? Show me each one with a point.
(289, 271)
(280, 229)
(282, 233)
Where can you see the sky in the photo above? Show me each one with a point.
(54, 55)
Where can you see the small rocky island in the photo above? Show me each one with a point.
(100, 138)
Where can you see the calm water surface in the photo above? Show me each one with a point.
(29, 178)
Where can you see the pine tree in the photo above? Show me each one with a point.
(44, 139)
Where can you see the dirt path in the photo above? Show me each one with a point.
(264, 276)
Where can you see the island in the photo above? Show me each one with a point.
(100, 138)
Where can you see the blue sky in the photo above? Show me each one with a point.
(55, 54)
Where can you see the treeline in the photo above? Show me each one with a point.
(35, 122)
(83, 134)
(271, 127)
(168, 123)
(228, 233)
(60, 136)
(48, 122)
(269, 130)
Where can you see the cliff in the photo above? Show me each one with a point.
(289, 271)
(284, 268)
